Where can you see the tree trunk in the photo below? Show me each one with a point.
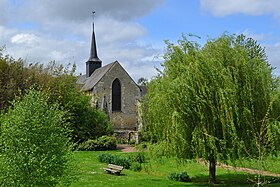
(212, 170)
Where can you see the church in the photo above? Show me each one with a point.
(114, 91)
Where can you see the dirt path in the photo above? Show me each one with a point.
(126, 148)
(247, 170)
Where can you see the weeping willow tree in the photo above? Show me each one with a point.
(213, 102)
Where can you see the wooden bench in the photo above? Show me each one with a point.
(114, 169)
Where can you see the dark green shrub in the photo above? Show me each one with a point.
(106, 158)
(135, 166)
(182, 176)
(114, 159)
(122, 161)
(102, 143)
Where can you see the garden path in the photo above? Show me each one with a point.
(126, 148)
(242, 169)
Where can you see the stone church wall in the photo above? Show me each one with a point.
(124, 122)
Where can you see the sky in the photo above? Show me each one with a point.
(130, 31)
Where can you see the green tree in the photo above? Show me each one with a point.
(60, 83)
(35, 143)
(86, 122)
(212, 102)
(17, 77)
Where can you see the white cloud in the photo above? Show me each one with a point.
(74, 10)
(61, 31)
(249, 7)
(115, 31)
(262, 38)
(253, 8)
(255, 36)
(24, 38)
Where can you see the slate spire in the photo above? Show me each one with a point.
(93, 62)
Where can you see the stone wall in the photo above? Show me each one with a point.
(126, 120)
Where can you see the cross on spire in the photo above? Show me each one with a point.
(93, 62)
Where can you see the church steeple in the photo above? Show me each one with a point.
(93, 62)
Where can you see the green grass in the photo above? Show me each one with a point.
(154, 173)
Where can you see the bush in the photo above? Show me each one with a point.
(114, 159)
(100, 144)
(35, 144)
(182, 177)
(106, 158)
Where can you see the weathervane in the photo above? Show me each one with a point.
(93, 15)
(93, 12)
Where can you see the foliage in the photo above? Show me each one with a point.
(60, 83)
(214, 101)
(86, 121)
(99, 144)
(115, 159)
(35, 143)
(16, 78)
(182, 176)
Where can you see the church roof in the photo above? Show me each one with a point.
(91, 81)
(82, 79)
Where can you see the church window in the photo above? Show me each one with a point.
(116, 95)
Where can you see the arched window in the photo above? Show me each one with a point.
(116, 95)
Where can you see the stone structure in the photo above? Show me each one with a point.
(114, 91)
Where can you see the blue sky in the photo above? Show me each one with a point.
(130, 31)
(176, 17)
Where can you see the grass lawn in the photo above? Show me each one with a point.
(154, 173)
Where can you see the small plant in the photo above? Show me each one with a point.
(182, 176)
